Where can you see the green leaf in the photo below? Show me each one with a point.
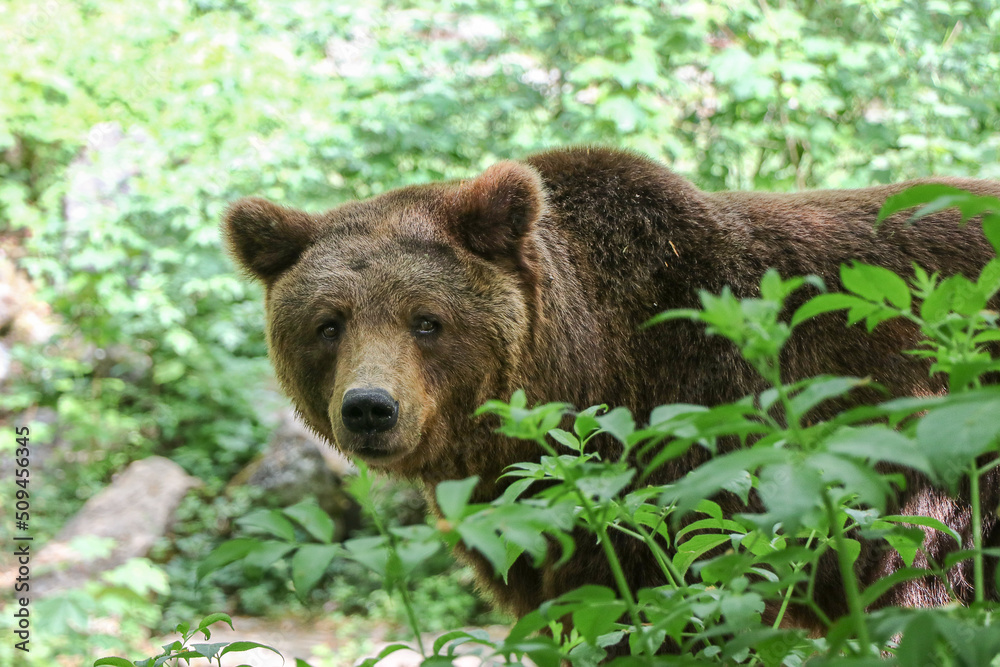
(871, 313)
(988, 281)
(566, 439)
(309, 564)
(185, 655)
(926, 522)
(438, 661)
(953, 435)
(857, 478)
(264, 555)
(711, 508)
(725, 568)
(853, 549)
(453, 497)
(667, 413)
(519, 422)
(918, 641)
(212, 619)
(711, 524)
(906, 541)
(586, 423)
(791, 492)
(168, 371)
(224, 554)
(606, 484)
(968, 204)
(824, 303)
(313, 519)
(915, 196)
(387, 651)
(239, 647)
(113, 662)
(678, 314)
(483, 538)
(875, 283)
(742, 611)
(595, 610)
(417, 544)
(441, 641)
(619, 423)
(514, 491)
(173, 646)
(593, 620)
(991, 230)
(937, 305)
(526, 626)
(956, 557)
(688, 552)
(370, 552)
(878, 443)
(268, 521)
(209, 650)
(821, 389)
(771, 286)
(708, 479)
(527, 537)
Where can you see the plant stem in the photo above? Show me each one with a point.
(616, 567)
(623, 587)
(404, 594)
(786, 403)
(602, 535)
(411, 616)
(791, 589)
(977, 535)
(667, 567)
(856, 610)
(811, 585)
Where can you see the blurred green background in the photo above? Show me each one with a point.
(126, 127)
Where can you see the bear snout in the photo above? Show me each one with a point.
(369, 411)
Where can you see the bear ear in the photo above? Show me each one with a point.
(266, 239)
(490, 214)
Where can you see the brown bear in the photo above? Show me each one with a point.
(390, 320)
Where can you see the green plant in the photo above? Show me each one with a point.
(112, 612)
(180, 649)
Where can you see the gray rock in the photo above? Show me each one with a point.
(296, 464)
(134, 511)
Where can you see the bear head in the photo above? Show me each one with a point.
(390, 320)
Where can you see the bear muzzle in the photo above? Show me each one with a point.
(368, 411)
(369, 425)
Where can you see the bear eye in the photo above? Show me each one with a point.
(330, 330)
(424, 326)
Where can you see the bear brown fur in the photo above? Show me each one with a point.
(426, 301)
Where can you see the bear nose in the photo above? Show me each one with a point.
(369, 410)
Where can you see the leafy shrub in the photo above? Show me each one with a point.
(112, 613)
(185, 649)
